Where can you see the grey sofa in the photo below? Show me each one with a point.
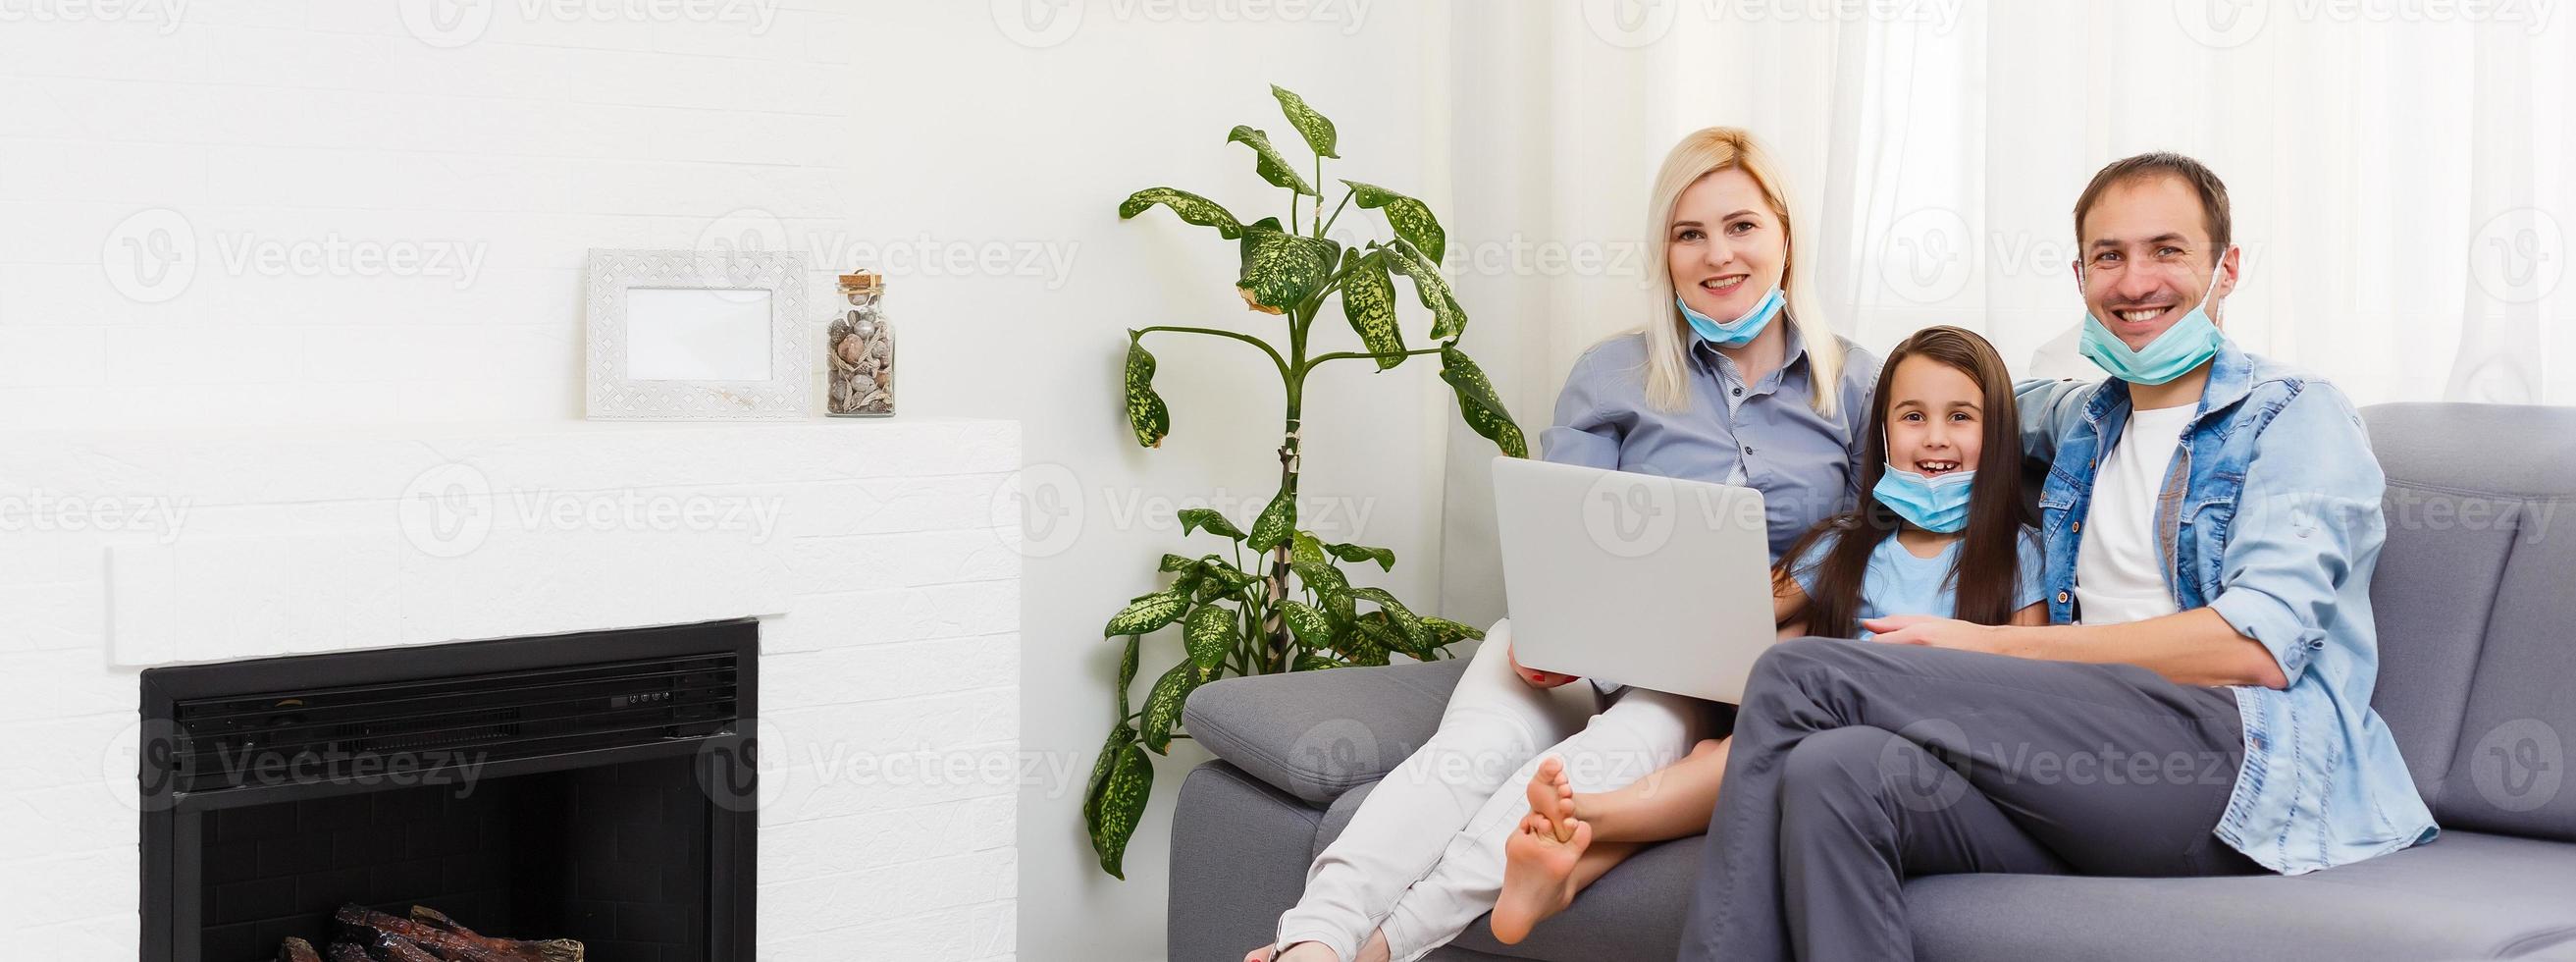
(2476, 604)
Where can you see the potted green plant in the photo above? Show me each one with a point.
(1290, 608)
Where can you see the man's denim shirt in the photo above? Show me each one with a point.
(2270, 516)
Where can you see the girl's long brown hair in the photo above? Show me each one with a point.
(1986, 573)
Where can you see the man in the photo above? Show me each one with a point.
(2199, 704)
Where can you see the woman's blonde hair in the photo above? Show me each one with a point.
(1668, 337)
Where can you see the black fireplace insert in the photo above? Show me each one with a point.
(597, 787)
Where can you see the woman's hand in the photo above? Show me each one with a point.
(1935, 633)
(1535, 677)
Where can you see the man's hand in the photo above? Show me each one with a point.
(1934, 632)
(1535, 677)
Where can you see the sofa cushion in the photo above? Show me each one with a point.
(2472, 603)
(1238, 860)
(2466, 895)
(1317, 734)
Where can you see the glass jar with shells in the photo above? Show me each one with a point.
(861, 344)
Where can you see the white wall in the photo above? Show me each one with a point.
(973, 152)
(1041, 144)
(196, 208)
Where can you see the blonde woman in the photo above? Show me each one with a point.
(1735, 379)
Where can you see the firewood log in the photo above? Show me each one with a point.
(296, 950)
(349, 952)
(395, 948)
(549, 950)
(432, 917)
(366, 924)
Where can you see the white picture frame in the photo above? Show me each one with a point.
(697, 335)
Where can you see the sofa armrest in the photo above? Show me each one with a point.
(1317, 734)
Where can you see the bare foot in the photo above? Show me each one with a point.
(1551, 797)
(1538, 876)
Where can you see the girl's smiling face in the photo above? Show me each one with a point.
(1935, 418)
(1727, 247)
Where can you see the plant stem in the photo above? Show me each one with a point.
(1346, 355)
(1319, 195)
(1265, 347)
(1337, 212)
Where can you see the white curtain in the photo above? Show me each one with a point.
(2402, 172)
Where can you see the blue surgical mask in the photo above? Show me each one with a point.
(1938, 505)
(2188, 344)
(1742, 330)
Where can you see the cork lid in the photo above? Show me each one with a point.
(861, 283)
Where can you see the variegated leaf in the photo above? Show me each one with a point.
(1310, 125)
(1193, 519)
(1163, 704)
(1147, 613)
(1336, 599)
(1306, 557)
(1478, 403)
(1410, 218)
(1127, 671)
(1209, 635)
(1280, 269)
(1312, 661)
(1417, 639)
(1225, 573)
(1312, 629)
(1145, 410)
(1447, 632)
(1448, 320)
(1121, 806)
(1384, 557)
(1191, 207)
(1370, 639)
(1276, 522)
(1368, 300)
(1119, 738)
(1268, 162)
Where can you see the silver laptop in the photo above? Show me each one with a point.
(1634, 579)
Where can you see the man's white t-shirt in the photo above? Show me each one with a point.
(2119, 570)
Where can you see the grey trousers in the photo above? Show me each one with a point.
(1857, 765)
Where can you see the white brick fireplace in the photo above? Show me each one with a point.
(880, 557)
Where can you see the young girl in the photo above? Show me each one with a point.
(1735, 358)
(1940, 529)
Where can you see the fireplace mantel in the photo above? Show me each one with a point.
(880, 556)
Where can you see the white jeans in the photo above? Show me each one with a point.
(1423, 856)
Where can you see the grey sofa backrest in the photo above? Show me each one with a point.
(2476, 603)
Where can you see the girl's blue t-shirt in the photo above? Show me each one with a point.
(1898, 583)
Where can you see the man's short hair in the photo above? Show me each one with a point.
(2213, 192)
